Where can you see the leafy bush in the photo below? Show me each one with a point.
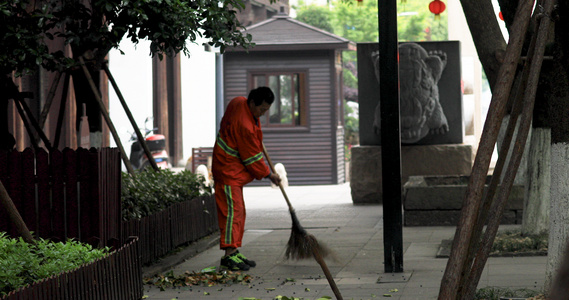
(151, 191)
(497, 293)
(22, 263)
(513, 241)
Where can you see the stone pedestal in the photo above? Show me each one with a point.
(437, 201)
(365, 171)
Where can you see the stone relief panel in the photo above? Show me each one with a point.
(430, 93)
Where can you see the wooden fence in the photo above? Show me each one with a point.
(77, 194)
(65, 194)
(177, 225)
(115, 276)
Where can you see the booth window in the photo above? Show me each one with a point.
(289, 107)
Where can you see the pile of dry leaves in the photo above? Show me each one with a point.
(206, 277)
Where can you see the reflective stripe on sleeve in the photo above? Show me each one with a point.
(253, 159)
(226, 148)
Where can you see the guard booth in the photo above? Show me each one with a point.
(303, 66)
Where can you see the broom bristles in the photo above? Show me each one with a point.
(302, 245)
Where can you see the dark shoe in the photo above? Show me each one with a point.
(250, 263)
(233, 263)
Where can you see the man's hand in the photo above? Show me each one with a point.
(275, 178)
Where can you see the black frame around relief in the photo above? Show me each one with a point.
(450, 94)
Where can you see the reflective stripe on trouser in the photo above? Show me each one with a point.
(230, 214)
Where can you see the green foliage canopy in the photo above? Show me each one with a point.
(96, 26)
(359, 24)
(22, 31)
(315, 15)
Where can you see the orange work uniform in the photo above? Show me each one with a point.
(237, 160)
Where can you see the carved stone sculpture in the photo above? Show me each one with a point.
(421, 111)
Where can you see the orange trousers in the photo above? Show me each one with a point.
(230, 214)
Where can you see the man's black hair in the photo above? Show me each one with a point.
(259, 94)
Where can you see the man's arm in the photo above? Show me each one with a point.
(251, 154)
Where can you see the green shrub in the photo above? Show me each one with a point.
(151, 191)
(496, 293)
(22, 263)
(513, 241)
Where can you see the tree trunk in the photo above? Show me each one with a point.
(486, 34)
(559, 220)
(14, 215)
(521, 175)
(556, 116)
(550, 110)
(538, 184)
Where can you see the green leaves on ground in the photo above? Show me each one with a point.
(279, 297)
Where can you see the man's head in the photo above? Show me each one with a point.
(260, 100)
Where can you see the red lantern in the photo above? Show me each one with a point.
(437, 7)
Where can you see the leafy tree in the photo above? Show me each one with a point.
(351, 126)
(21, 35)
(92, 27)
(416, 23)
(355, 22)
(317, 16)
(359, 23)
(552, 98)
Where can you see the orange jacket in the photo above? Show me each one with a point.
(238, 151)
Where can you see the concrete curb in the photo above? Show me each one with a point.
(171, 260)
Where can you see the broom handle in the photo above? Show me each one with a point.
(315, 252)
(331, 281)
(290, 208)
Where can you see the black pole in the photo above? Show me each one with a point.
(62, 105)
(390, 136)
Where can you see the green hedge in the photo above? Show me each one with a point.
(22, 263)
(150, 191)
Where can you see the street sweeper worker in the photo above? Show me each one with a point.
(238, 160)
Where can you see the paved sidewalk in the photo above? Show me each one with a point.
(353, 232)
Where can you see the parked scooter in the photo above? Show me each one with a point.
(157, 146)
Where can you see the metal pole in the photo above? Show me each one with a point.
(390, 136)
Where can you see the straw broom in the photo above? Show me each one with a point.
(301, 244)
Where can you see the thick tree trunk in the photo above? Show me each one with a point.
(487, 36)
(559, 219)
(556, 94)
(538, 184)
(551, 105)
